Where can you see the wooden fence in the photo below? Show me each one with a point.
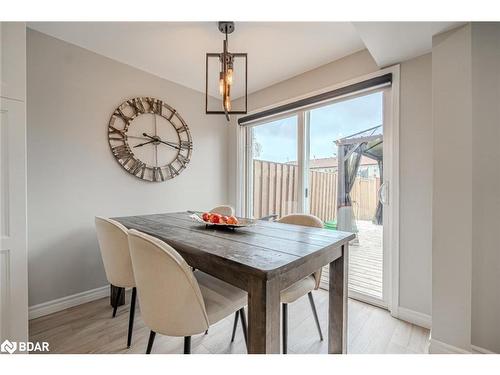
(275, 192)
(274, 188)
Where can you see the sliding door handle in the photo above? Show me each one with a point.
(383, 193)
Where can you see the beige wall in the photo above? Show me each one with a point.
(466, 201)
(452, 188)
(415, 159)
(338, 71)
(486, 186)
(415, 175)
(72, 175)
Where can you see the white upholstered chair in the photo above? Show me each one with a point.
(174, 300)
(113, 242)
(229, 211)
(304, 286)
(223, 210)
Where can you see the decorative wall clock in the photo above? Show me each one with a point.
(149, 139)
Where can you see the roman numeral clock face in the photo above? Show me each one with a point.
(149, 139)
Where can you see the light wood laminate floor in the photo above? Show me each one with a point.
(89, 328)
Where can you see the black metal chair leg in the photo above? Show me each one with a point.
(244, 325)
(187, 345)
(117, 300)
(131, 317)
(235, 324)
(313, 307)
(152, 335)
(285, 327)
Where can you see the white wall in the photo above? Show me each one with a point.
(415, 159)
(72, 175)
(13, 196)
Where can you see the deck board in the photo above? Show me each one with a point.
(366, 260)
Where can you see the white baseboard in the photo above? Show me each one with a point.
(439, 347)
(414, 317)
(63, 303)
(479, 350)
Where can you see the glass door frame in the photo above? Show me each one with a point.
(391, 173)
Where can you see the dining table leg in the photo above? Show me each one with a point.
(263, 316)
(337, 305)
(114, 291)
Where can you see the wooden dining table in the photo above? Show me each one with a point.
(262, 259)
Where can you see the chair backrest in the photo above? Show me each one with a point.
(169, 295)
(223, 210)
(113, 242)
(308, 221)
(302, 219)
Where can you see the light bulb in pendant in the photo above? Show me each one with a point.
(221, 83)
(227, 103)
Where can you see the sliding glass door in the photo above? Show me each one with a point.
(328, 161)
(344, 169)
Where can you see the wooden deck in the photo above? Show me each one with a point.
(366, 260)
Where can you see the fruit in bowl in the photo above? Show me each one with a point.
(214, 218)
(231, 220)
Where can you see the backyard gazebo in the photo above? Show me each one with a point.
(367, 143)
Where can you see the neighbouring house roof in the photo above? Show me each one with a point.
(373, 138)
(332, 162)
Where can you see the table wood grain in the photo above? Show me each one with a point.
(263, 259)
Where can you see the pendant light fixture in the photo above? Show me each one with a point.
(232, 73)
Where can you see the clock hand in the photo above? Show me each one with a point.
(157, 139)
(134, 137)
(171, 144)
(142, 144)
(149, 136)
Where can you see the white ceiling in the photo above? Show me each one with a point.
(393, 42)
(176, 50)
(276, 50)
